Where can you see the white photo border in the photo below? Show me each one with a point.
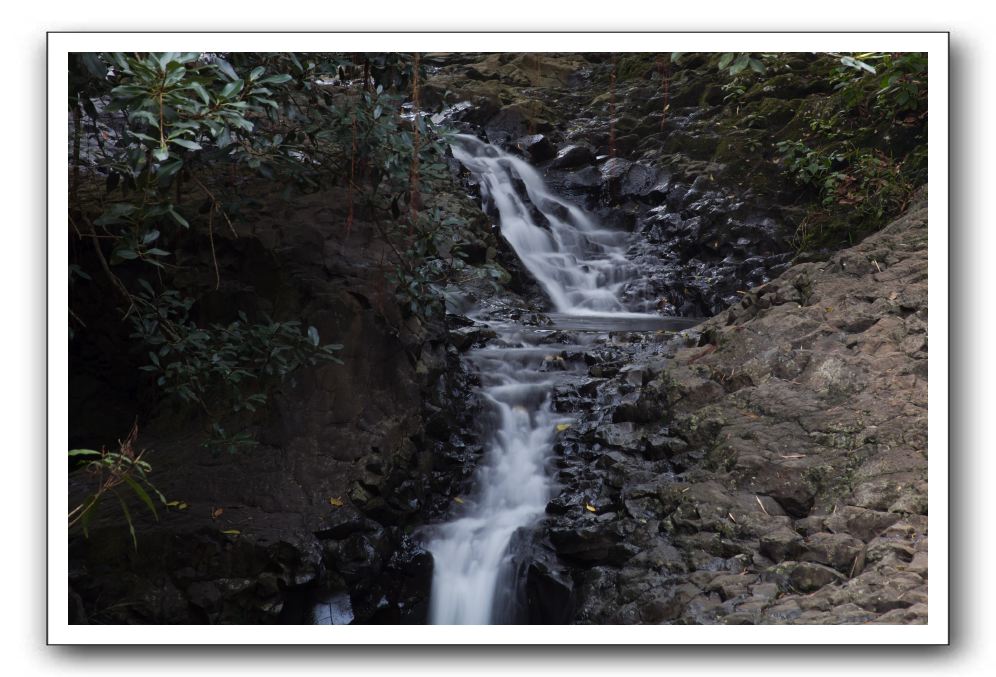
(935, 44)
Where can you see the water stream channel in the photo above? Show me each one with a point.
(583, 269)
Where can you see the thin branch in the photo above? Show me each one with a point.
(77, 318)
(115, 281)
(214, 258)
(215, 203)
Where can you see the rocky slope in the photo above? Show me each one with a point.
(769, 466)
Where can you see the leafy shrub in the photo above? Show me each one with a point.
(220, 368)
(151, 123)
(110, 472)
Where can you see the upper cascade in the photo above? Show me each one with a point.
(581, 266)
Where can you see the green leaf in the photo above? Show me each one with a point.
(377, 111)
(127, 514)
(83, 452)
(161, 154)
(126, 254)
(143, 137)
(142, 495)
(231, 89)
(741, 63)
(256, 72)
(275, 79)
(168, 169)
(313, 335)
(116, 213)
(165, 58)
(757, 66)
(145, 115)
(179, 219)
(725, 60)
(127, 91)
(87, 514)
(187, 143)
(226, 68)
(201, 92)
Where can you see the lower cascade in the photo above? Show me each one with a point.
(583, 269)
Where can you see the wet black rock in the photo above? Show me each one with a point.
(593, 543)
(549, 594)
(572, 156)
(464, 338)
(588, 179)
(537, 147)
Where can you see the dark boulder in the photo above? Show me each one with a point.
(573, 156)
(536, 147)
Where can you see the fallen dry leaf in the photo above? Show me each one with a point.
(761, 504)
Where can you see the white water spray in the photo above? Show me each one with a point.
(582, 268)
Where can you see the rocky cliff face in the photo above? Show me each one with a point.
(351, 457)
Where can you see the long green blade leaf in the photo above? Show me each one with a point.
(131, 525)
(142, 494)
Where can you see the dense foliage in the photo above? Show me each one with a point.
(155, 140)
(849, 130)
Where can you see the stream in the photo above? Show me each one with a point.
(583, 270)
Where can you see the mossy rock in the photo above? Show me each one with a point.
(771, 113)
(695, 146)
(636, 66)
(788, 86)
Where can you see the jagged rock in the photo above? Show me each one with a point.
(781, 544)
(834, 550)
(573, 156)
(536, 146)
(464, 338)
(549, 594)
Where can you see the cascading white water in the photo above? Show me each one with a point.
(582, 268)
(513, 487)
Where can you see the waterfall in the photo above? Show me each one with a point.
(582, 268)
(469, 552)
